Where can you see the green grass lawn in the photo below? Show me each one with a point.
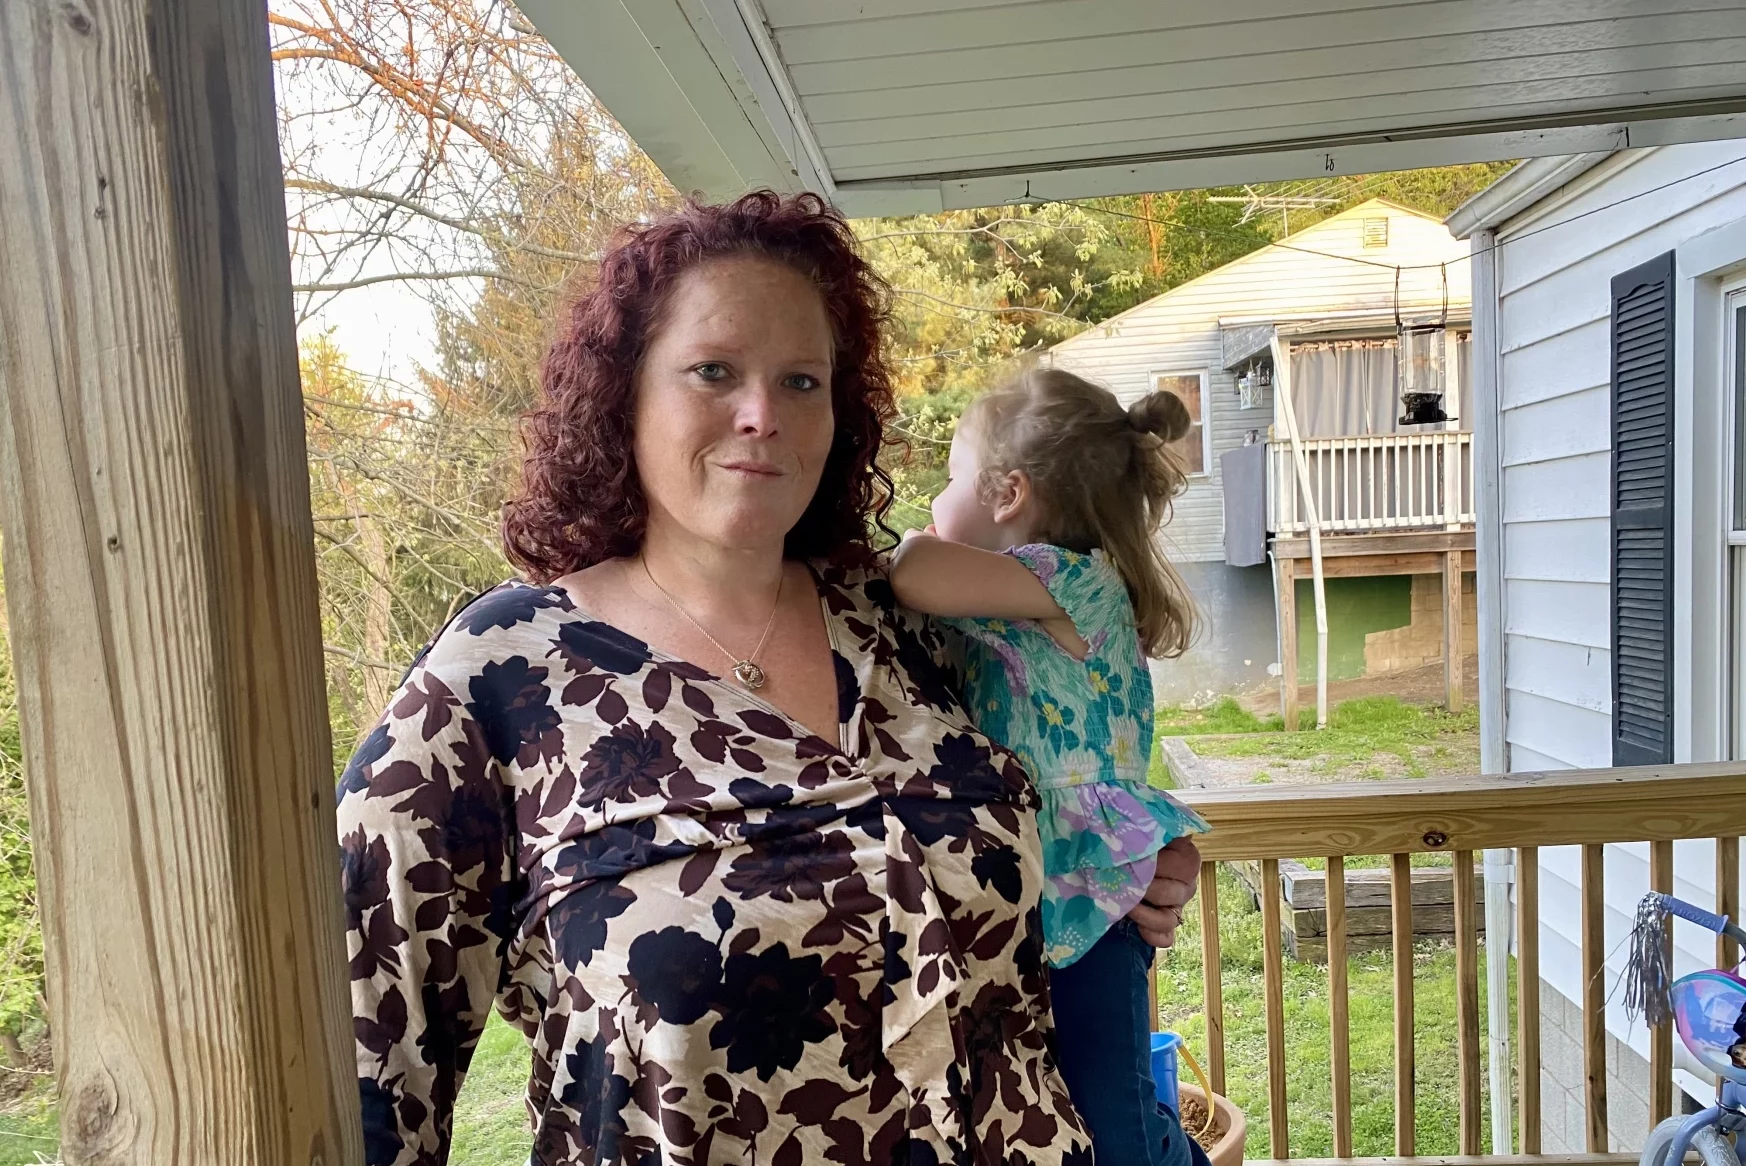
(1358, 731)
(1308, 1085)
(28, 1133)
(491, 1126)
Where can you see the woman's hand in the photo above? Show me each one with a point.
(1173, 883)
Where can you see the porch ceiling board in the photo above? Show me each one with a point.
(895, 106)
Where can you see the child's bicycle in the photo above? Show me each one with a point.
(1709, 1010)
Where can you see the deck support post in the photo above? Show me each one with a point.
(1452, 695)
(160, 577)
(1285, 585)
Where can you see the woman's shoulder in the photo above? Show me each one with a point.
(513, 618)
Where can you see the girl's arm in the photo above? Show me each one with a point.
(951, 579)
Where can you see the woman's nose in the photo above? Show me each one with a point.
(756, 415)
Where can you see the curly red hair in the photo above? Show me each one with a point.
(581, 502)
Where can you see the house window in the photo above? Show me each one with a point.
(1376, 232)
(1196, 446)
(1734, 341)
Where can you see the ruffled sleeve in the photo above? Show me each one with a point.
(1085, 585)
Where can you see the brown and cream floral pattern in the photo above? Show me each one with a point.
(728, 939)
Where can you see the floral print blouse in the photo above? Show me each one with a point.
(1083, 728)
(728, 940)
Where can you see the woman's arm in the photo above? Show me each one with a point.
(425, 858)
(951, 579)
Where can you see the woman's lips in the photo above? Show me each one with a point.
(752, 469)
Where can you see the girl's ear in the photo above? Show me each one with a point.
(1012, 497)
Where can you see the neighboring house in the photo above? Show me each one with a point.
(1610, 309)
(1334, 295)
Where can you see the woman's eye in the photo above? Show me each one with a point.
(802, 382)
(711, 371)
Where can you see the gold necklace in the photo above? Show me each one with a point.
(746, 671)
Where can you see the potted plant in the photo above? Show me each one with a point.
(1229, 1124)
(1223, 1135)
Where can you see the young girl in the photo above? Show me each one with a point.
(1043, 553)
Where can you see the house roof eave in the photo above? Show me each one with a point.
(1520, 189)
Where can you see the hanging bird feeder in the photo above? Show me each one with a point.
(1419, 373)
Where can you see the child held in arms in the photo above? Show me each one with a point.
(1044, 555)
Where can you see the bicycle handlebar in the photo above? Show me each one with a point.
(1708, 920)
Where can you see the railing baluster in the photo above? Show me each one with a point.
(1661, 1035)
(1339, 1012)
(1273, 983)
(1727, 897)
(1528, 993)
(1467, 999)
(1594, 996)
(1212, 984)
(1346, 459)
(1405, 1105)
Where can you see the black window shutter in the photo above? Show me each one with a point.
(1642, 498)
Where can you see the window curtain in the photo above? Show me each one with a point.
(1346, 388)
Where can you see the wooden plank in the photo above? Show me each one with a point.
(1212, 990)
(161, 580)
(1567, 807)
(1273, 987)
(1285, 580)
(1435, 919)
(1528, 994)
(1367, 886)
(1431, 542)
(1452, 698)
(1405, 1105)
(1661, 1036)
(1364, 566)
(1313, 949)
(1594, 996)
(1727, 897)
(1467, 1047)
(1339, 1011)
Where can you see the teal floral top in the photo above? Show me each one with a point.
(1083, 729)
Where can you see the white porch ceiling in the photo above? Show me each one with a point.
(903, 106)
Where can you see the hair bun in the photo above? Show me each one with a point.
(1162, 413)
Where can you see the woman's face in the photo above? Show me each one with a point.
(733, 405)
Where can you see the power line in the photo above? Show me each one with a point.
(1213, 232)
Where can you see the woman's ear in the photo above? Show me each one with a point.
(1012, 497)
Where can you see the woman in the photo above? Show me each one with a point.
(695, 806)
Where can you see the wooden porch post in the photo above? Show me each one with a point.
(161, 582)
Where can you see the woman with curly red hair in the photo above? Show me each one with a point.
(692, 805)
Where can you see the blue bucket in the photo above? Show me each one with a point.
(1164, 1046)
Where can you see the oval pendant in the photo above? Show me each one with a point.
(749, 674)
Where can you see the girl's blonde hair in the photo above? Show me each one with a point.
(1103, 476)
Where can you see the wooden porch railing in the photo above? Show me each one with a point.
(1385, 481)
(1460, 816)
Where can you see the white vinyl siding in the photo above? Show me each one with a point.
(1179, 330)
(1555, 263)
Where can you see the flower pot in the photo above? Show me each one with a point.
(1228, 1150)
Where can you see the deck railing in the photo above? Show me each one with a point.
(1461, 816)
(1384, 481)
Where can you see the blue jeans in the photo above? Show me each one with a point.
(1103, 1037)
